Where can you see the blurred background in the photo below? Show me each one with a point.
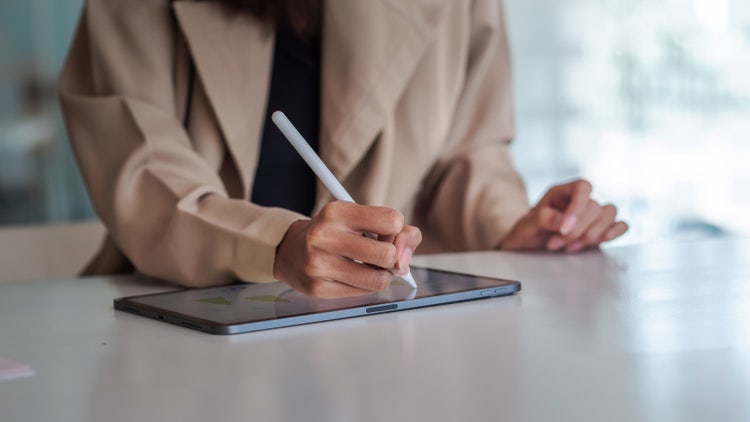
(650, 100)
(39, 181)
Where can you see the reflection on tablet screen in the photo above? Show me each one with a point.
(259, 302)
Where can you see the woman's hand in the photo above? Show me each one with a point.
(565, 218)
(329, 257)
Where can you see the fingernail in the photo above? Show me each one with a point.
(555, 243)
(568, 225)
(575, 246)
(402, 268)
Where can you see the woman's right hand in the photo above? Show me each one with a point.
(328, 256)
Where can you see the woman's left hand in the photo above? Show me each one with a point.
(565, 218)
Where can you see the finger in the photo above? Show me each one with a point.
(556, 242)
(360, 218)
(352, 245)
(549, 219)
(327, 289)
(406, 243)
(589, 217)
(545, 219)
(586, 219)
(365, 277)
(615, 231)
(579, 196)
(352, 273)
(528, 232)
(559, 196)
(593, 235)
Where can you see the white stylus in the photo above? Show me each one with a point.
(319, 168)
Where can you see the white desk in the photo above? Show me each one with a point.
(649, 333)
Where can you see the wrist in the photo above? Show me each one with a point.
(288, 247)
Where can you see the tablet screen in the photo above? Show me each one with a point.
(247, 303)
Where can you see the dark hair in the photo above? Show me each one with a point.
(304, 17)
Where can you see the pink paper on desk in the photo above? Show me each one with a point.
(11, 369)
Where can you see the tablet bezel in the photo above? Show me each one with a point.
(503, 287)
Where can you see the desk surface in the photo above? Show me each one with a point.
(644, 333)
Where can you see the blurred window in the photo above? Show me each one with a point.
(648, 100)
(39, 181)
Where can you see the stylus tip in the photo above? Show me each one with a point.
(409, 279)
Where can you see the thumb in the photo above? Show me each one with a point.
(550, 219)
(406, 243)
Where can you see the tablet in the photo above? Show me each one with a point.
(242, 308)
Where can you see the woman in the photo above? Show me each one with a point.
(409, 104)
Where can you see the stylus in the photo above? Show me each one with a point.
(319, 168)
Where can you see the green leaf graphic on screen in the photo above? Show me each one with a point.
(215, 301)
(268, 298)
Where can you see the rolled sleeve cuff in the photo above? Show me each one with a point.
(255, 248)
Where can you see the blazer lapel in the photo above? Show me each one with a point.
(370, 50)
(233, 57)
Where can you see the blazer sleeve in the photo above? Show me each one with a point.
(163, 204)
(473, 196)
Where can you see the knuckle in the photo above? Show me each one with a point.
(331, 210)
(590, 239)
(315, 235)
(311, 268)
(394, 219)
(610, 210)
(621, 227)
(326, 211)
(381, 280)
(585, 184)
(543, 215)
(387, 256)
(415, 233)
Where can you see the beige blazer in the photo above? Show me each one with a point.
(416, 115)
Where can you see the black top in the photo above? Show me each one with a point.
(283, 179)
